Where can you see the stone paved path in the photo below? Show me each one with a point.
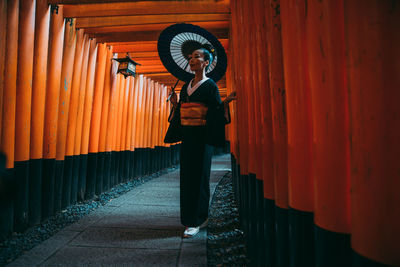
(140, 228)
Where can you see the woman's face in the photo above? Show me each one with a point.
(196, 61)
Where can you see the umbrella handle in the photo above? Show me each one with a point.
(173, 90)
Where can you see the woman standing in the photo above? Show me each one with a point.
(203, 118)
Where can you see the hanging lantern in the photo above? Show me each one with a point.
(127, 66)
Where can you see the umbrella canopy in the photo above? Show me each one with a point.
(177, 41)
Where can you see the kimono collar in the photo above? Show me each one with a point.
(190, 90)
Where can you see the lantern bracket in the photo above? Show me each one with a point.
(54, 9)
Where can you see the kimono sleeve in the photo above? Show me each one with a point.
(215, 133)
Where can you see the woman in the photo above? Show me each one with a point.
(203, 118)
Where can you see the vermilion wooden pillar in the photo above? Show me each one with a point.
(104, 155)
(92, 185)
(26, 34)
(128, 142)
(124, 121)
(331, 158)
(279, 128)
(373, 40)
(122, 85)
(265, 121)
(301, 200)
(3, 34)
(87, 115)
(8, 120)
(62, 184)
(38, 107)
(56, 40)
(71, 167)
(150, 118)
(114, 154)
(110, 121)
(80, 169)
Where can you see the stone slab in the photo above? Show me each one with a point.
(130, 238)
(93, 256)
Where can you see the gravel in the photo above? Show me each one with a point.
(225, 239)
(18, 243)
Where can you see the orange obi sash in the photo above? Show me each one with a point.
(193, 114)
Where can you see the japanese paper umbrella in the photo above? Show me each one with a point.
(177, 41)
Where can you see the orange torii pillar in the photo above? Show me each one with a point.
(279, 130)
(134, 128)
(331, 157)
(242, 141)
(92, 186)
(104, 159)
(38, 107)
(140, 128)
(164, 109)
(266, 191)
(86, 121)
(149, 127)
(128, 146)
(114, 153)
(156, 127)
(112, 86)
(56, 40)
(255, 193)
(301, 199)
(126, 135)
(122, 97)
(8, 113)
(233, 82)
(3, 36)
(142, 147)
(242, 105)
(81, 159)
(124, 120)
(62, 186)
(70, 165)
(248, 89)
(373, 41)
(26, 34)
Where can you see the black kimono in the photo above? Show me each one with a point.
(196, 153)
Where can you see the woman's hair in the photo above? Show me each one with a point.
(208, 52)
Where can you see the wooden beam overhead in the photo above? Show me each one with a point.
(148, 19)
(136, 47)
(144, 8)
(144, 36)
(208, 25)
(77, 2)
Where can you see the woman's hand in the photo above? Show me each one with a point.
(232, 96)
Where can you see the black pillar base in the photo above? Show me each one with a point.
(252, 222)
(7, 205)
(100, 173)
(269, 232)
(91, 175)
(67, 182)
(332, 249)
(82, 177)
(35, 191)
(113, 168)
(58, 183)
(361, 261)
(75, 178)
(21, 204)
(127, 164)
(48, 182)
(107, 171)
(301, 235)
(282, 237)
